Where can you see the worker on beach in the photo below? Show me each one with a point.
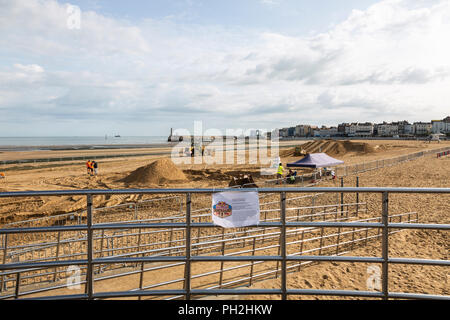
(2, 175)
(95, 167)
(203, 150)
(88, 166)
(291, 176)
(280, 171)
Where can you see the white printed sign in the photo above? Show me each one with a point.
(234, 209)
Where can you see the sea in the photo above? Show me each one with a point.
(77, 141)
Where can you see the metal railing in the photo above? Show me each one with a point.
(58, 246)
(346, 170)
(313, 178)
(283, 258)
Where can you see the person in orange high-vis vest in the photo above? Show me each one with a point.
(88, 166)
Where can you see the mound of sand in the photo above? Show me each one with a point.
(160, 171)
(330, 147)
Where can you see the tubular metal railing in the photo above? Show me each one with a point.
(56, 247)
(90, 262)
(346, 170)
(313, 178)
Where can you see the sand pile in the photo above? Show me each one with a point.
(330, 147)
(160, 171)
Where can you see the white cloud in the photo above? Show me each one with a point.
(270, 2)
(392, 58)
(32, 68)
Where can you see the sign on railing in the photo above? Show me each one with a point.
(234, 209)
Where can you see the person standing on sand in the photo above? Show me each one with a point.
(88, 166)
(91, 168)
(279, 173)
(95, 167)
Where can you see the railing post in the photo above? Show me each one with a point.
(342, 197)
(187, 268)
(301, 248)
(16, 293)
(5, 249)
(99, 269)
(385, 246)
(222, 262)
(141, 278)
(321, 241)
(89, 273)
(253, 262)
(171, 239)
(283, 246)
(357, 196)
(337, 242)
(57, 255)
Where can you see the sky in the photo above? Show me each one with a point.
(92, 67)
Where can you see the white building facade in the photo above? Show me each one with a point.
(387, 130)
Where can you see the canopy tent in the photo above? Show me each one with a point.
(316, 160)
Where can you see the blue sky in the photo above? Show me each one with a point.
(142, 67)
(288, 16)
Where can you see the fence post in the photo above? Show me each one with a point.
(385, 246)
(338, 238)
(89, 273)
(253, 262)
(102, 238)
(301, 248)
(187, 268)
(342, 197)
(321, 241)
(353, 239)
(16, 293)
(5, 248)
(57, 255)
(283, 246)
(357, 196)
(141, 278)
(222, 262)
(171, 239)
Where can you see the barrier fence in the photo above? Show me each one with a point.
(45, 247)
(347, 170)
(191, 249)
(313, 178)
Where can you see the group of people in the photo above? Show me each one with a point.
(290, 177)
(191, 150)
(92, 167)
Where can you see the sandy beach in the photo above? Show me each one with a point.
(118, 173)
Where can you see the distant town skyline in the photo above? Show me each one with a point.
(367, 129)
(91, 67)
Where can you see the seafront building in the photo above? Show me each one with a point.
(441, 126)
(367, 129)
